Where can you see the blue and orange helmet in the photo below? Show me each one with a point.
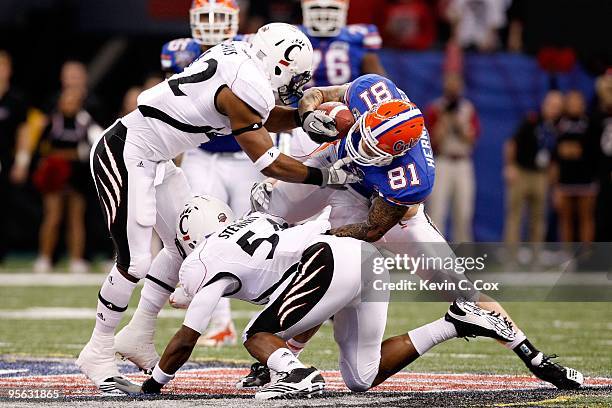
(386, 131)
(214, 21)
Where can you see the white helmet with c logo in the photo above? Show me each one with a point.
(201, 216)
(286, 54)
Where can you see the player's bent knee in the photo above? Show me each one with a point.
(357, 384)
(140, 266)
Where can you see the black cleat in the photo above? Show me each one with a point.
(257, 377)
(564, 378)
(298, 383)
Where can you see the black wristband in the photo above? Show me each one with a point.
(150, 386)
(297, 118)
(315, 176)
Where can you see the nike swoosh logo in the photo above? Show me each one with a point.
(313, 127)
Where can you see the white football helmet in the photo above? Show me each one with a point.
(213, 21)
(324, 18)
(202, 216)
(286, 54)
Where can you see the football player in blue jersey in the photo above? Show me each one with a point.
(389, 146)
(341, 53)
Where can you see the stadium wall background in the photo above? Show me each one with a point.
(41, 34)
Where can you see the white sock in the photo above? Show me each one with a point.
(116, 292)
(283, 360)
(164, 270)
(222, 315)
(295, 346)
(520, 336)
(425, 337)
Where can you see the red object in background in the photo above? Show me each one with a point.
(169, 9)
(52, 174)
(554, 59)
(365, 12)
(409, 25)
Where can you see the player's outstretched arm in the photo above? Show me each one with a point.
(255, 141)
(314, 97)
(282, 119)
(180, 347)
(381, 218)
(370, 64)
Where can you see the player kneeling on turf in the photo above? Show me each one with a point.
(305, 278)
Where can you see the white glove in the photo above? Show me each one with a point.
(320, 127)
(179, 299)
(260, 196)
(336, 177)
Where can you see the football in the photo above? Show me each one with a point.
(341, 114)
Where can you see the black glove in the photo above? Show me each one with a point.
(150, 386)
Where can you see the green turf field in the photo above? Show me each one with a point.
(581, 333)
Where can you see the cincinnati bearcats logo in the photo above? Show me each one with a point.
(222, 217)
(182, 218)
(290, 49)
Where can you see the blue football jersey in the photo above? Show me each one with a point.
(337, 60)
(408, 179)
(178, 54)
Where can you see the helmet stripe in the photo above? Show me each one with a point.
(399, 119)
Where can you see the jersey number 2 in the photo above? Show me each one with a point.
(195, 78)
(398, 180)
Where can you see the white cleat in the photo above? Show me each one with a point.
(97, 362)
(298, 383)
(135, 342)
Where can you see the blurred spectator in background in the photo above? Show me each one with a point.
(516, 14)
(601, 131)
(63, 178)
(73, 75)
(14, 145)
(454, 126)
(130, 100)
(476, 23)
(151, 80)
(574, 164)
(527, 158)
(409, 24)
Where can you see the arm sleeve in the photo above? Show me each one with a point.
(254, 90)
(204, 302)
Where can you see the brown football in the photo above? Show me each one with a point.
(341, 114)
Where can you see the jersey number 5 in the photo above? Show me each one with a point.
(398, 180)
(251, 247)
(195, 78)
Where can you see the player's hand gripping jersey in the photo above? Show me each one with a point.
(181, 111)
(258, 251)
(338, 60)
(408, 179)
